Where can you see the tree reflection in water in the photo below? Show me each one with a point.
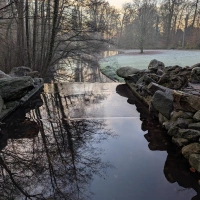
(47, 156)
(176, 168)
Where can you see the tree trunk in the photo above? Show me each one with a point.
(53, 36)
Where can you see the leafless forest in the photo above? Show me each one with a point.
(39, 34)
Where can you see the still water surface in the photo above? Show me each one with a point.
(85, 141)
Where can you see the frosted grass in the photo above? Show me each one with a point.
(134, 59)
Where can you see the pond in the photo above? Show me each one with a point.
(94, 141)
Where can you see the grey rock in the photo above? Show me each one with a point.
(183, 123)
(10, 106)
(180, 142)
(33, 74)
(195, 75)
(1, 103)
(156, 65)
(15, 88)
(140, 81)
(162, 118)
(124, 72)
(169, 124)
(20, 71)
(195, 65)
(175, 77)
(147, 79)
(193, 148)
(194, 161)
(196, 116)
(173, 132)
(134, 78)
(160, 72)
(173, 69)
(163, 103)
(195, 126)
(181, 114)
(189, 134)
(3, 75)
(186, 102)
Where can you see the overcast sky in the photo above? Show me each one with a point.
(117, 3)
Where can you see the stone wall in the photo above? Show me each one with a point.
(173, 96)
(17, 88)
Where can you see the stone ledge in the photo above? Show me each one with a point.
(173, 95)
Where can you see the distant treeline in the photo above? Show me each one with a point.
(38, 34)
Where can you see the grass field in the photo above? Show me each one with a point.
(134, 59)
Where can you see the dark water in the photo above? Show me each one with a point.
(85, 141)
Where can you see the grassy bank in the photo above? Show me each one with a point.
(133, 58)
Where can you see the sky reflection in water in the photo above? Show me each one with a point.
(86, 138)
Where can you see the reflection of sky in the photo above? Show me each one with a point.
(118, 3)
(138, 173)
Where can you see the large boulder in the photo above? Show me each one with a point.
(3, 75)
(186, 102)
(193, 148)
(163, 102)
(175, 77)
(195, 65)
(20, 71)
(15, 88)
(189, 134)
(195, 75)
(156, 65)
(124, 72)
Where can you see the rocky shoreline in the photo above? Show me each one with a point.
(172, 95)
(16, 88)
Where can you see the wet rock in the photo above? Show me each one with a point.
(195, 75)
(124, 72)
(194, 161)
(186, 102)
(180, 142)
(195, 126)
(156, 65)
(189, 134)
(193, 148)
(15, 88)
(196, 116)
(163, 103)
(3, 75)
(20, 71)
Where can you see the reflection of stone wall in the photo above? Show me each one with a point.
(173, 95)
(176, 168)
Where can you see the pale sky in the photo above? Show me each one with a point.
(118, 3)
